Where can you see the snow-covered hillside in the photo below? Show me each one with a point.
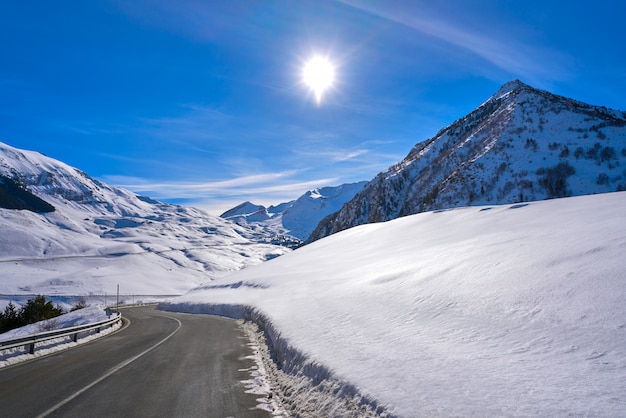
(522, 144)
(511, 310)
(297, 218)
(100, 236)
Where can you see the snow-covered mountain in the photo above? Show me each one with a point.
(297, 218)
(99, 235)
(521, 144)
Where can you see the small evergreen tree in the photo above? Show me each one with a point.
(38, 309)
(10, 318)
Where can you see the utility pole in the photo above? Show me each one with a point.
(117, 308)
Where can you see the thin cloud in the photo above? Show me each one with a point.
(364, 152)
(349, 155)
(195, 122)
(88, 128)
(266, 188)
(508, 54)
(185, 188)
(337, 156)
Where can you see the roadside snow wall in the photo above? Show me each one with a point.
(305, 388)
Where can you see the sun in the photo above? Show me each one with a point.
(318, 74)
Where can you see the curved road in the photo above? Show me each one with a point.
(161, 364)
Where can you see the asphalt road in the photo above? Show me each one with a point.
(161, 364)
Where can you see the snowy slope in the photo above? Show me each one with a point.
(299, 217)
(512, 310)
(522, 144)
(100, 236)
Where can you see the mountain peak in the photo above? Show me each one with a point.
(297, 218)
(523, 144)
(246, 207)
(510, 87)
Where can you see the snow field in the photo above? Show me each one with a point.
(43, 254)
(509, 310)
(101, 235)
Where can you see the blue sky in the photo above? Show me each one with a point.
(201, 102)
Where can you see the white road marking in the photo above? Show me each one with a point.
(110, 372)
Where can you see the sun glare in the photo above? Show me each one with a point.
(318, 74)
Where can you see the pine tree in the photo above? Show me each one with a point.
(10, 318)
(38, 309)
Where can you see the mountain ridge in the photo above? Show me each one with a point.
(520, 144)
(163, 248)
(296, 218)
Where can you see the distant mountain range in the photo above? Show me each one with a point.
(521, 144)
(63, 232)
(297, 218)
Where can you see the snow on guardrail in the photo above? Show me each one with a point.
(32, 340)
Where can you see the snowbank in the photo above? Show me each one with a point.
(88, 315)
(501, 310)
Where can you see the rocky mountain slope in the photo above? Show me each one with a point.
(521, 144)
(14, 196)
(298, 218)
(97, 236)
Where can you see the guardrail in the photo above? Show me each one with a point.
(73, 332)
